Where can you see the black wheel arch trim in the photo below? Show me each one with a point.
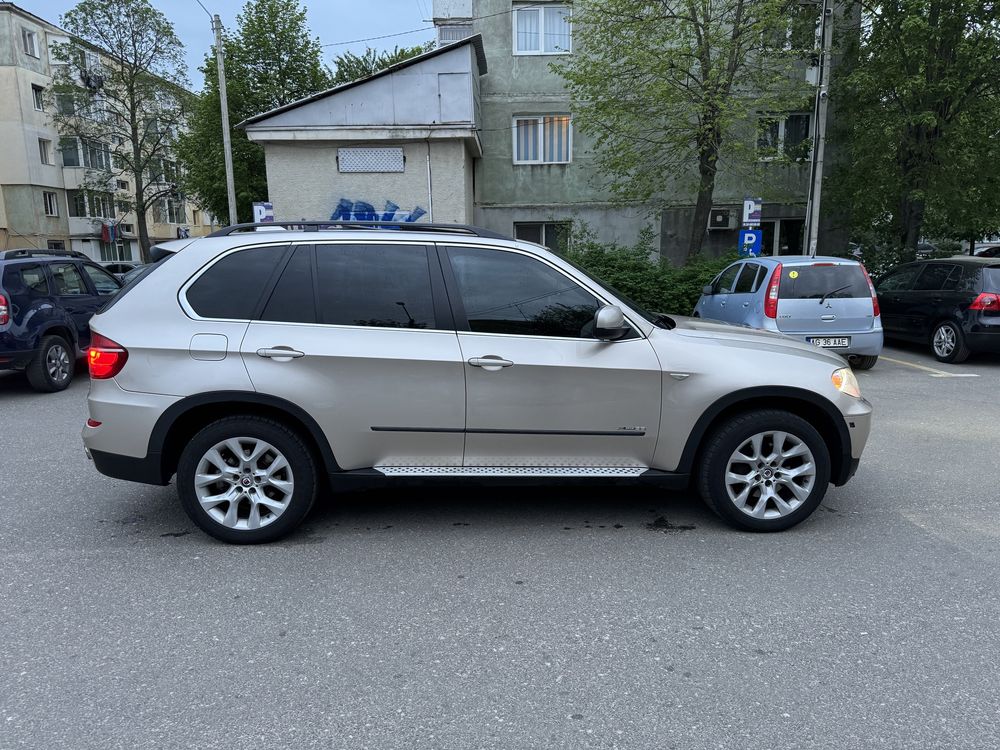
(841, 470)
(170, 416)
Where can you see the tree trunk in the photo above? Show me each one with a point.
(707, 168)
(140, 220)
(911, 220)
(972, 244)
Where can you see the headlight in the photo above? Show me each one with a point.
(845, 382)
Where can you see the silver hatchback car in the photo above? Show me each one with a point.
(828, 302)
(264, 368)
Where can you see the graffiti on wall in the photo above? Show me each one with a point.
(348, 210)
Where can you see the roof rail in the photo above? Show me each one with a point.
(38, 252)
(404, 226)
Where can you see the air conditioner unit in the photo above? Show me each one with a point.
(722, 218)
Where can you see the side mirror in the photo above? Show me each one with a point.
(609, 323)
(707, 290)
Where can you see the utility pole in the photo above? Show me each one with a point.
(820, 108)
(227, 145)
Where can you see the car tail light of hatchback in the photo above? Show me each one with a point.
(986, 301)
(4, 311)
(105, 358)
(771, 300)
(875, 308)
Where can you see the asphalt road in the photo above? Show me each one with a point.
(583, 617)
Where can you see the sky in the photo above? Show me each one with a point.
(332, 21)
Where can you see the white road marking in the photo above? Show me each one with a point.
(934, 373)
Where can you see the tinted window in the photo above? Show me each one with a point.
(724, 283)
(67, 280)
(818, 281)
(900, 280)
(387, 286)
(232, 287)
(748, 276)
(505, 292)
(292, 300)
(103, 282)
(933, 277)
(991, 277)
(29, 280)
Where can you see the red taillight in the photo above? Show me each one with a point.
(105, 358)
(771, 300)
(875, 310)
(93, 423)
(4, 311)
(986, 301)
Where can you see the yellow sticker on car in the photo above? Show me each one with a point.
(793, 274)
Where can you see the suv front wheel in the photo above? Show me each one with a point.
(764, 470)
(246, 480)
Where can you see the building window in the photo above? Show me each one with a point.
(38, 97)
(77, 201)
(170, 211)
(542, 30)
(45, 150)
(97, 155)
(552, 234)
(786, 135)
(29, 41)
(120, 250)
(50, 201)
(543, 140)
(96, 205)
(195, 216)
(453, 32)
(56, 245)
(70, 149)
(122, 185)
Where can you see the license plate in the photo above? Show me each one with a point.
(831, 343)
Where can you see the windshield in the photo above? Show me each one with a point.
(819, 280)
(649, 317)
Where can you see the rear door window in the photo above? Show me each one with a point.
(816, 281)
(383, 286)
(933, 277)
(68, 280)
(232, 287)
(747, 281)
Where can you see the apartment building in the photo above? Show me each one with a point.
(482, 130)
(42, 175)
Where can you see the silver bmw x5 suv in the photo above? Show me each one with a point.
(265, 369)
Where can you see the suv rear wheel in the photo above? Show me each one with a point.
(52, 368)
(764, 470)
(246, 480)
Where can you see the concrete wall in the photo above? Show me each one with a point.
(304, 183)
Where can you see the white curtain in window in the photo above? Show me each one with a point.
(557, 30)
(556, 138)
(527, 29)
(527, 140)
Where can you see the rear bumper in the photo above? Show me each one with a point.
(147, 470)
(983, 342)
(866, 343)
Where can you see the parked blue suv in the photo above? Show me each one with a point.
(46, 300)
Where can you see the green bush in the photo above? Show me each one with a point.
(654, 284)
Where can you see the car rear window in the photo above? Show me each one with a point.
(991, 279)
(820, 280)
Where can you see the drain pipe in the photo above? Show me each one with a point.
(430, 185)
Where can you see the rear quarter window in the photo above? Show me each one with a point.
(818, 281)
(232, 287)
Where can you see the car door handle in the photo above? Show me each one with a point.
(490, 362)
(937, 300)
(280, 353)
(746, 304)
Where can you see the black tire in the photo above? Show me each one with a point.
(723, 442)
(302, 466)
(959, 352)
(43, 373)
(864, 362)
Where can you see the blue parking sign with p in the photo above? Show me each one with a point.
(750, 242)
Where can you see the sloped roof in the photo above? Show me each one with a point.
(475, 40)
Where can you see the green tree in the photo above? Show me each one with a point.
(121, 95)
(917, 107)
(271, 60)
(350, 67)
(669, 89)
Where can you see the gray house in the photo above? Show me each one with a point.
(480, 130)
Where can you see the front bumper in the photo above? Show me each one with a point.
(857, 413)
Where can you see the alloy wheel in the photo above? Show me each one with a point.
(57, 363)
(770, 474)
(244, 483)
(944, 341)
